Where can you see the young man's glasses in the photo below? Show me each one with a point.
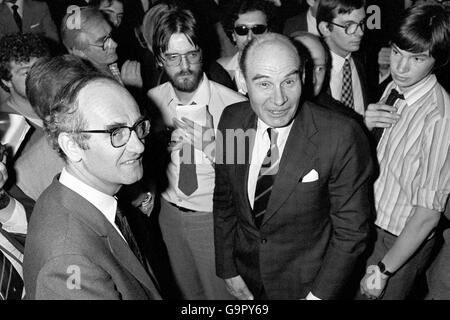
(351, 27)
(106, 44)
(121, 134)
(242, 30)
(174, 59)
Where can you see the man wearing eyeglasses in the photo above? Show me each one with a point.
(86, 34)
(342, 24)
(79, 245)
(192, 104)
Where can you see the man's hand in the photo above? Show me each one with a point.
(373, 283)
(201, 137)
(380, 115)
(131, 74)
(237, 287)
(384, 61)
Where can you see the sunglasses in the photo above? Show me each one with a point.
(243, 30)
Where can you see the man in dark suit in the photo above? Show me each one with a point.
(79, 243)
(26, 16)
(295, 232)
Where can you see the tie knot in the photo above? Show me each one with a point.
(273, 135)
(347, 63)
(15, 7)
(397, 95)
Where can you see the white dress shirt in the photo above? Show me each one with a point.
(18, 3)
(105, 203)
(312, 23)
(259, 152)
(336, 81)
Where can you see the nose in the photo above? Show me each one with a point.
(112, 45)
(403, 65)
(250, 35)
(279, 98)
(184, 63)
(135, 144)
(360, 30)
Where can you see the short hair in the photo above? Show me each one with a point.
(425, 27)
(151, 20)
(270, 36)
(49, 75)
(19, 48)
(64, 114)
(74, 36)
(327, 10)
(176, 20)
(237, 7)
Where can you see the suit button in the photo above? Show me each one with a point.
(263, 241)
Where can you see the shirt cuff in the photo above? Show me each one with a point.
(310, 296)
(17, 222)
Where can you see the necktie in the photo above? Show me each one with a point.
(266, 177)
(124, 227)
(393, 96)
(17, 16)
(347, 91)
(187, 180)
(11, 283)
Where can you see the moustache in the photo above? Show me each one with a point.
(185, 73)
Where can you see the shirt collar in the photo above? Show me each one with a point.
(419, 89)
(201, 96)
(338, 61)
(105, 203)
(283, 132)
(311, 22)
(18, 3)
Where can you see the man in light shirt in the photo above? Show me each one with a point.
(79, 243)
(413, 121)
(305, 21)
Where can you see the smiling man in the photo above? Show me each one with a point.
(292, 222)
(342, 24)
(413, 120)
(79, 244)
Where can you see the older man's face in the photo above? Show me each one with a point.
(274, 82)
(101, 48)
(107, 105)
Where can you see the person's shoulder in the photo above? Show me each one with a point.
(35, 5)
(236, 112)
(159, 93)
(228, 95)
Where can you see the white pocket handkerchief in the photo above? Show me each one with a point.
(34, 25)
(312, 176)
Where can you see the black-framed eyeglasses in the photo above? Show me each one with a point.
(121, 135)
(174, 59)
(106, 44)
(351, 27)
(242, 30)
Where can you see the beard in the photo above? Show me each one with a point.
(184, 84)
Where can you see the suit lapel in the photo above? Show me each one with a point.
(7, 19)
(27, 15)
(362, 79)
(297, 159)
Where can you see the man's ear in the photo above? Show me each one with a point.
(7, 84)
(77, 52)
(70, 147)
(324, 28)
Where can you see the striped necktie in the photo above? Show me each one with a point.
(347, 90)
(11, 283)
(394, 95)
(266, 177)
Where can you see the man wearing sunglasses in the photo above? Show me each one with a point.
(192, 104)
(79, 245)
(342, 24)
(247, 19)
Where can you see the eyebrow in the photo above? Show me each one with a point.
(419, 54)
(261, 76)
(117, 125)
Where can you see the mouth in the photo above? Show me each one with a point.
(278, 113)
(133, 161)
(399, 78)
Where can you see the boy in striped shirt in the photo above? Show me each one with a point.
(413, 120)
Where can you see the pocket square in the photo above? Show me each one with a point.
(34, 25)
(311, 176)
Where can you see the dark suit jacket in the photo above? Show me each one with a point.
(296, 23)
(70, 241)
(36, 19)
(312, 233)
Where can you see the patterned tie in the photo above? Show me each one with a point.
(11, 283)
(347, 91)
(124, 227)
(17, 16)
(393, 96)
(266, 177)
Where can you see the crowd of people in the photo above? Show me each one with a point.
(221, 150)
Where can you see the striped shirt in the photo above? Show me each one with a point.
(414, 156)
(116, 72)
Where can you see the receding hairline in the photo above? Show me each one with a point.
(271, 39)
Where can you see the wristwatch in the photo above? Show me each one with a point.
(383, 269)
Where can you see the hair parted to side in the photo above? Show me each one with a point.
(19, 48)
(176, 20)
(264, 38)
(151, 20)
(74, 37)
(425, 27)
(48, 76)
(327, 10)
(64, 114)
